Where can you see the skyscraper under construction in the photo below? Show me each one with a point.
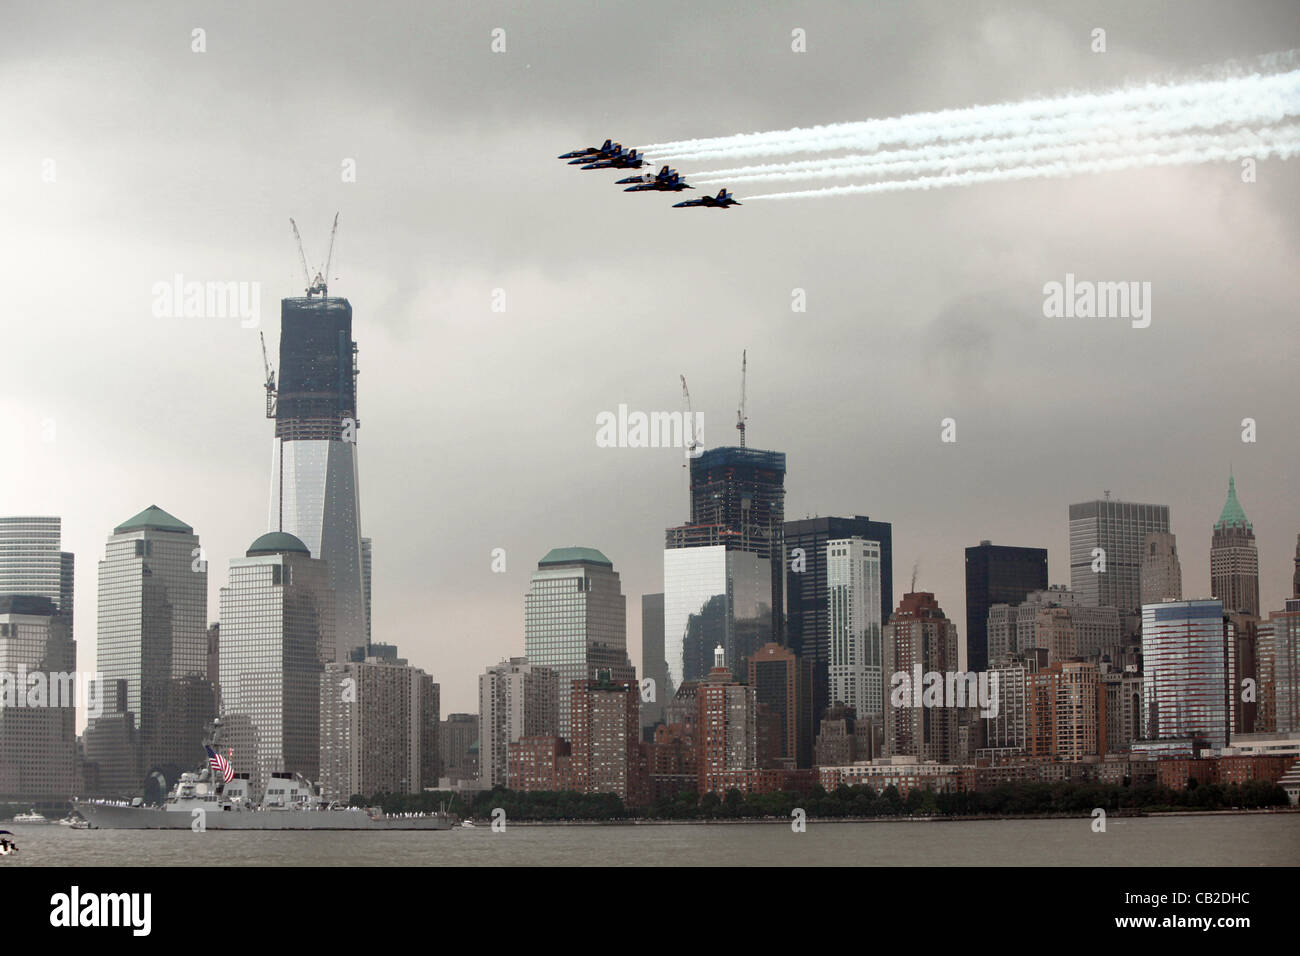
(314, 487)
(722, 571)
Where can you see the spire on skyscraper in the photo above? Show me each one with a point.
(1232, 516)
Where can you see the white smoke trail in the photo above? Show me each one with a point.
(1282, 148)
(1220, 102)
(1070, 152)
(1152, 124)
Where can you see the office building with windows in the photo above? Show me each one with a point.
(997, 574)
(1186, 670)
(1234, 558)
(1110, 535)
(575, 621)
(856, 670)
(277, 635)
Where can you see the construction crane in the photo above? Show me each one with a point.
(321, 282)
(692, 442)
(270, 380)
(741, 419)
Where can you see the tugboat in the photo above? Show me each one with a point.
(208, 800)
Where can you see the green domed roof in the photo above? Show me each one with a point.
(574, 556)
(1233, 515)
(278, 542)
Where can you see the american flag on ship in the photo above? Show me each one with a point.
(220, 764)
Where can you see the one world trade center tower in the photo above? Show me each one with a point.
(314, 488)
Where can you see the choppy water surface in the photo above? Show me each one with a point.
(1220, 840)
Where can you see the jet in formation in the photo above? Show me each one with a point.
(623, 159)
(666, 180)
(721, 201)
(608, 148)
(612, 155)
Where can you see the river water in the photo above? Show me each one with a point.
(1210, 840)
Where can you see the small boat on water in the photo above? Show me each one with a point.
(7, 845)
(31, 816)
(467, 825)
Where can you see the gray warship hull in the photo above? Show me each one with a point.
(110, 817)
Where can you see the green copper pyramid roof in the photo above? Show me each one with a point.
(574, 556)
(153, 518)
(1232, 515)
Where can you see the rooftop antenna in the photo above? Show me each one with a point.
(740, 412)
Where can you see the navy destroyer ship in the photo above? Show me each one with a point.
(205, 800)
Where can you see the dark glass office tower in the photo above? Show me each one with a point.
(728, 591)
(653, 663)
(997, 574)
(807, 597)
(314, 485)
(738, 499)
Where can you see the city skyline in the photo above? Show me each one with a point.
(461, 400)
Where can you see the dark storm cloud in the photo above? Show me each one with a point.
(478, 427)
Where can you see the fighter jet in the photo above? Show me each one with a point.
(666, 180)
(721, 201)
(590, 152)
(629, 159)
(607, 151)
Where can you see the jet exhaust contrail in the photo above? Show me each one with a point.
(1221, 100)
(1231, 117)
(1282, 149)
(1070, 152)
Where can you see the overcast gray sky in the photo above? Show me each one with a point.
(478, 426)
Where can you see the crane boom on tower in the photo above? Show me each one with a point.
(741, 419)
(688, 431)
(270, 379)
(321, 282)
(329, 257)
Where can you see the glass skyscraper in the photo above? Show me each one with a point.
(997, 574)
(714, 596)
(37, 743)
(653, 663)
(31, 563)
(575, 621)
(729, 593)
(153, 609)
(1185, 672)
(277, 634)
(807, 595)
(314, 484)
